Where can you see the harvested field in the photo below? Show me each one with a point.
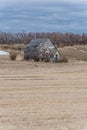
(43, 96)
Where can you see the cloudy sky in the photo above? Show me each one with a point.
(43, 16)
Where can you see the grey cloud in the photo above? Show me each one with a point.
(60, 16)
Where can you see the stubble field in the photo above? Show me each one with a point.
(43, 96)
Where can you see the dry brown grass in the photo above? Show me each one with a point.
(13, 55)
(78, 52)
(16, 47)
(15, 51)
(63, 59)
(43, 96)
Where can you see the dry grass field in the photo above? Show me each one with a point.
(76, 52)
(44, 96)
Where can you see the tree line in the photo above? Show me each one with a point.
(59, 39)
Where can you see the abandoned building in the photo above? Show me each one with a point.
(41, 50)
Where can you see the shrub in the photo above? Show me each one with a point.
(13, 55)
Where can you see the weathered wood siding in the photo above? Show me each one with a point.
(41, 49)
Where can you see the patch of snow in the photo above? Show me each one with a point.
(4, 53)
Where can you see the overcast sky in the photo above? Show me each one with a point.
(43, 16)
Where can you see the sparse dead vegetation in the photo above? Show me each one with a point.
(13, 55)
(59, 39)
(63, 59)
(69, 53)
(14, 47)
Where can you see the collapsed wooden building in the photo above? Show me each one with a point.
(41, 50)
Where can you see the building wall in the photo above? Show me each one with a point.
(45, 51)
